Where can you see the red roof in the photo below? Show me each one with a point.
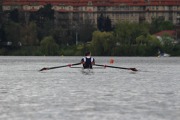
(94, 2)
(172, 33)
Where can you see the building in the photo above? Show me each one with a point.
(131, 10)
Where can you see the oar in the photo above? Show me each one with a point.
(69, 65)
(133, 69)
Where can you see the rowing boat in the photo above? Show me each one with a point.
(87, 71)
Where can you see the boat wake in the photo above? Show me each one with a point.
(87, 71)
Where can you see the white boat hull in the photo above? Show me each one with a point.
(164, 55)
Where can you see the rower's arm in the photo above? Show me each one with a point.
(82, 61)
(93, 62)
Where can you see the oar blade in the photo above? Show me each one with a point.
(133, 69)
(43, 69)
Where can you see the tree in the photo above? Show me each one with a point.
(12, 33)
(29, 34)
(1, 13)
(148, 45)
(2, 34)
(141, 40)
(167, 43)
(49, 46)
(159, 24)
(108, 26)
(85, 31)
(102, 43)
(152, 41)
(44, 18)
(100, 22)
(45, 30)
(127, 32)
(45, 14)
(58, 35)
(104, 23)
(14, 15)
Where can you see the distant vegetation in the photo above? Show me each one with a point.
(40, 33)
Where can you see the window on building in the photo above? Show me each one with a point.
(90, 3)
(157, 7)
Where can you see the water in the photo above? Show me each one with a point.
(152, 93)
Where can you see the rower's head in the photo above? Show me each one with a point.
(88, 53)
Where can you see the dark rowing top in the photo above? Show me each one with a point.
(87, 62)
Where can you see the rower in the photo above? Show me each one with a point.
(88, 61)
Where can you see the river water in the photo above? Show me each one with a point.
(152, 93)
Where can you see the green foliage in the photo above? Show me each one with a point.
(27, 51)
(3, 51)
(12, 31)
(150, 46)
(127, 32)
(148, 43)
(153, 41)
(85, 31)
(14, 15)
(72, 50)
(127, 39)
(46, 29)
(141, 40)
(58, 35)
(108, 26)
(68, 52)
(43, 15)
(176, 50)
(2, 33)
(159, 24)
(44, 18)
(46, 13)
(125, 50)
(167, 43)
(49, 46)
(102, 43)
(104, 23)
(29, 34)
(141, 50)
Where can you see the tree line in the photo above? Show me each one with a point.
(44, 33)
